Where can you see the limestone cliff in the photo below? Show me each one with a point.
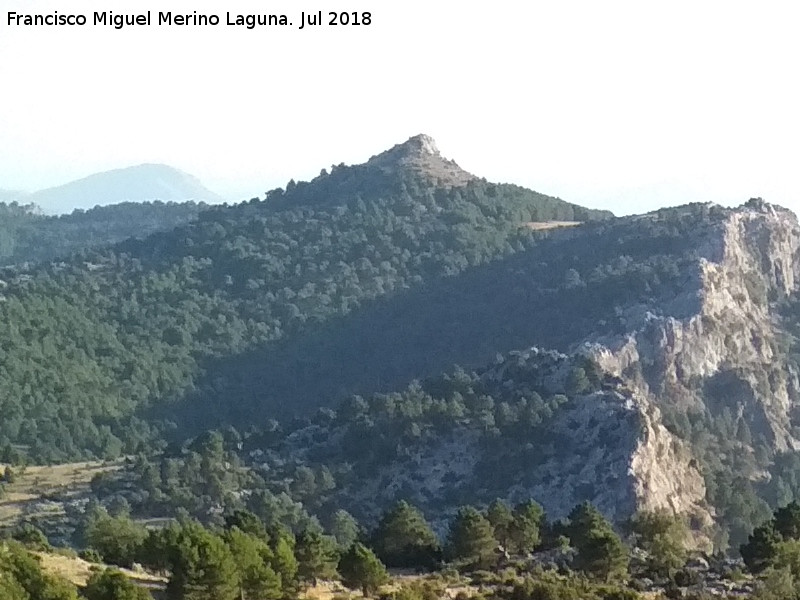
(717, 347)
(713, 346)
(709, 345)
(726, 351)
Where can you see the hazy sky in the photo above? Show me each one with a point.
(624, 105)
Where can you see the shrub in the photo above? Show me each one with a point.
(91, 555)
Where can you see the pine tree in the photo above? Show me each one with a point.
(471, 539)
(761, 547)
(603, 556)
(10, 589)
(404, 538)
(25, 576)
(526, 526)
(257, 579)
(663, 536)
(501, 518)
(344, 529)
(361, 569)
(787, 521)
(247, 522)
(601, 552)
(316, 557)
(284, 562)
(9, 476)
(112, 584)
(117, 539)
(203, 567)
(584, 519)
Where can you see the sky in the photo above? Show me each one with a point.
(628, 106)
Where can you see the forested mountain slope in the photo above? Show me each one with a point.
(98, 346)
(27, 235)
(665, 373)
(678, 390)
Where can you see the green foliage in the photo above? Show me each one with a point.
(774, 540)
(27, 235)
(31, 536)
(552, 587)
(111, 584)
(510, 416)
(247, 522)
(419, 590)
(10, 589)
(603, 556)
(404, 538)
(471, 539)
(253, 559)
(285, 563)
(501, 519)
(787, 556)
(203, 475)
(784, 481)
(739, 507)
(91, 555)
(113, 345)
(527, 521)
(787, 521)
(158, 549)
(202, 567)
(601, 553)
(117, 539)
(316, 555)
(777, 584)
(361, 569)
(664, 536)
(207, 566)
(345, 529)
(22, 577)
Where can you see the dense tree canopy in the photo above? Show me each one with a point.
(26, 235)
(471, 539)
(361, 569)
(404, 538)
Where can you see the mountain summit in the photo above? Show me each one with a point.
(139, 183)
(420, 154)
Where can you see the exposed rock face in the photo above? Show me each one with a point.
(607, 446)
(713, 346)
(621, 458)
(610, 448)
(421, 155)
(725, 352)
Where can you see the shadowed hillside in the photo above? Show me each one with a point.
(111, 333)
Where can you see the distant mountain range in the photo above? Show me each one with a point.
(141, 183)
(12, 195)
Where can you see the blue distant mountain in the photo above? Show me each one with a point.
(141, 183)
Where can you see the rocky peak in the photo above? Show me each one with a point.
(419, 145)
(419, 154)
